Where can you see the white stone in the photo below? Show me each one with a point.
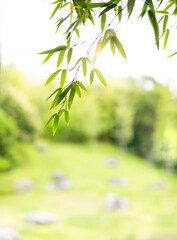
(41, 218)
(8, 234)
(22, 185)
(119, 181)
(113, 202)
(111, 161)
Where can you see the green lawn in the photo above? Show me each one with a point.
(80, 210)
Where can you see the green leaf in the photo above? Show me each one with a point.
(60, 57)
(71, 95)
(100, 76)
(57, 90)
(78, 61)
(166, 38)
(88, 60)
(169, 6)
(78, 91)
(155, 26)
(71, 25)
(77, 33)
(97, 50)
(163, 12)
(52, 76)
(81, 85)
(55, 124)
(84, 66)
(55, 10)
(91, 76)
(103, 21)
(107, 9)
(67, 116)
(56, 2)
(105, 39)
(111, 41)
(47, 58)
(63, 20)
(151, 6)
(57, 49)
(69, 55)
(63, 78)
(61, 112)
(119, 47)
(68, 42)
(59, 97)
(119, 13)
(144, 9)
(165, 23)
(50, 119)
(172, 55)
(130, 6)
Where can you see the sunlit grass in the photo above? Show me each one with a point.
(80, 210)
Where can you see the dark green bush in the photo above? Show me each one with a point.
(26, 128)
(8, 137)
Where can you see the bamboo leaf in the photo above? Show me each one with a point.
(57, 49)
(59, 97)
(119, 47)
(155, 26)
(165, 23)
(107, 9)
(71, 11)
(78, 91)
(61, 112)
(47, 58)
(55, 124)
(71, 95)
(91, 76)
(172, 55)
(166, 38)
(71, 25)
(103, 21)
(55, 10)
(60, 57)
(56, 2)
(57, 90)
(52, 76)
(50, 119)
(81, 85)
(67, 116)
(63, 78)
(97, 50)
(105, 39)
(130, 6)
(84, 66)
(77, 33)
(119, 13)
(88, 60)
(69, 55)
(144, 9)
(78, 61)
(112, 46)
(100, 76)
(64, 19)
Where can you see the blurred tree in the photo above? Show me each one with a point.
(149, 120)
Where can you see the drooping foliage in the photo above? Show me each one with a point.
(74, 16)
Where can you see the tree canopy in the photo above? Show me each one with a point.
(74, 15)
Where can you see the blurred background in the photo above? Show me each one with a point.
(111, 174)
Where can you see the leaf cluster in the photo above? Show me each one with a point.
(76, 14)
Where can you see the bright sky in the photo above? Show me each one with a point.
(25, 30)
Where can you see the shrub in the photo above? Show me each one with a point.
(8, 137)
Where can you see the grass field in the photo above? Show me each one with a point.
(80, 210)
